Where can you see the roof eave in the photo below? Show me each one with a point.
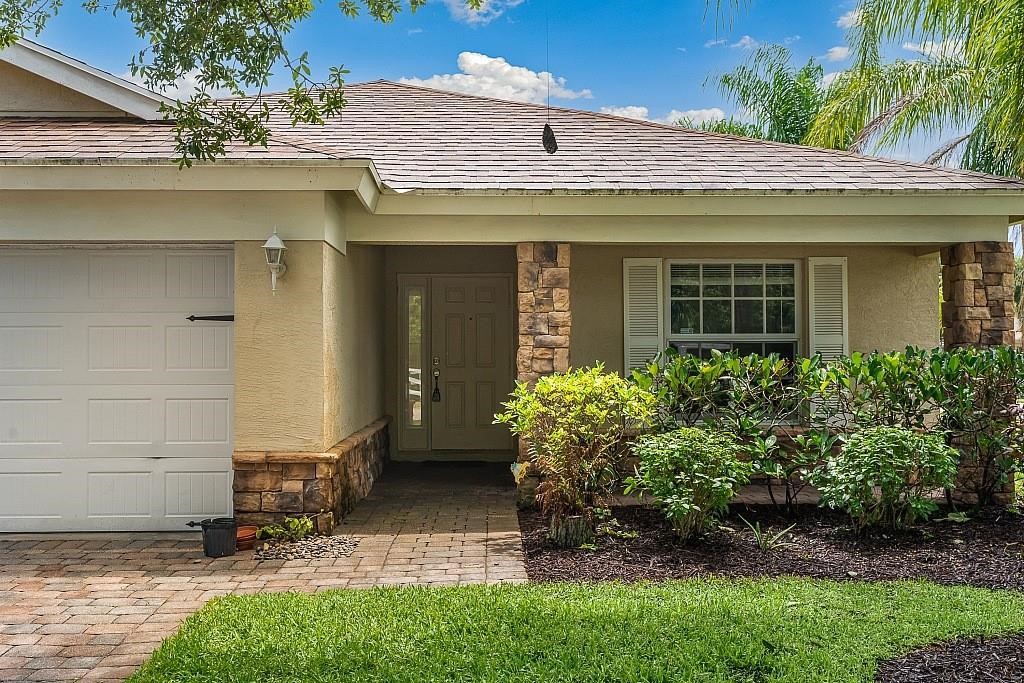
(80, 77)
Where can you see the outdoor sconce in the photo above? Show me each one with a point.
(274, 248)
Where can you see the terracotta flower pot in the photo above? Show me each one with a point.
(247, 537)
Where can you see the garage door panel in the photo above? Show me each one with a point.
(115, 412)
(33, 493)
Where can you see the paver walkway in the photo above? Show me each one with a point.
(94, 606)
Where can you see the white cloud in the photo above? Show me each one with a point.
(937, 49)
(837, 53)
(849, 20)
(629, 112)
(488, 12)
(696, 116)
(414, 31)
(716, 43)
(745, 43)
(495, 77)
(183, 89)
(828, 79)
(789, 40)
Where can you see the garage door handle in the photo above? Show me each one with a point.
(220, 318)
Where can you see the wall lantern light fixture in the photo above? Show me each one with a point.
(274, 248)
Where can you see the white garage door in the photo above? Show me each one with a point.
(115, 411)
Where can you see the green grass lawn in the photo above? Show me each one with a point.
(715, 630)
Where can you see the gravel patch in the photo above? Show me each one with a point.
(309, 548)
(967, 660)
(987, 551)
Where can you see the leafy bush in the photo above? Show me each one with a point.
(764, 401)
(787, 415)
(692, 474)
(883, 475)
(575, 427)
(980, 389)
(290, 530)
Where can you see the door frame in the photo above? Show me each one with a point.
(417, 438)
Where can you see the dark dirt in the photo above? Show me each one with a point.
(986, 551)
(967, 660)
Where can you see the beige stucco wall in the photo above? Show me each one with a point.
(354, 322)
(279, 350)
(309, 360)
(23, 93)
(893, 293)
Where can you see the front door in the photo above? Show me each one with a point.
(470, 361)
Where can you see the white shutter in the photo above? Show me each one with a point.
(642, 308)
(827, 293)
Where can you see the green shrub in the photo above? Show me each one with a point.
(980, 390)
(883, 475)
(575, 427)
(290, 530)
(757, 398)
(692, 474)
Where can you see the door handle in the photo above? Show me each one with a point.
(435, 396)
(220, 318)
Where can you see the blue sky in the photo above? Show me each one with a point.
(650, 57)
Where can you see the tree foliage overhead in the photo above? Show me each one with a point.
(781, 100)
(970, 77)
(230, 46)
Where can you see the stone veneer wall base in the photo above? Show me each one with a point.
(270, 485)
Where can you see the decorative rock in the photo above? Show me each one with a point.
(309, 548)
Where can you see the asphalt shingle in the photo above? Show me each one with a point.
(431, 140)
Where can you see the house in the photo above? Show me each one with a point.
(435, 253)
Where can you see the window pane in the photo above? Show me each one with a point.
(686, 281)
(717, 280)
(781, 317)
(749, 281)
(785, 349)
(748, 348)
(781, 279)
(685, 317)
(749, 317)
(686, 348)
(706, 347)
(717, 317)
(414, 352)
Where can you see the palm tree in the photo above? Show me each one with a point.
(781, 100)
(970, 77)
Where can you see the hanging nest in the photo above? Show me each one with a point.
(550, 143)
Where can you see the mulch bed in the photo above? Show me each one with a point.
(986, 551)
(967, 660)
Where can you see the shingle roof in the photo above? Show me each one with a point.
(90, 139)
(431, 140)
(420, 138)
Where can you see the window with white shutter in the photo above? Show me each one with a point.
(827, 291)
(642, 307)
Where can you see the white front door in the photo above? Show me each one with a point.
(115, 410)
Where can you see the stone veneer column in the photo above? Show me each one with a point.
(977, 310)
(545, 328)
(977, 289)
(545, 318)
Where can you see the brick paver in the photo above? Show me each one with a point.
(92, 607)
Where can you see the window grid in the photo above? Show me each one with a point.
(708, 281)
